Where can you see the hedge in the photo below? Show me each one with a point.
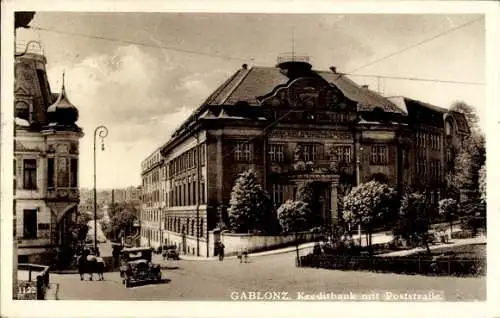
(401, 265)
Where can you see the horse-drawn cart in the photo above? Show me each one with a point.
(136, 266)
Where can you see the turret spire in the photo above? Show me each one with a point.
(63, 89)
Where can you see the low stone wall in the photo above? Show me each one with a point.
(233, 242)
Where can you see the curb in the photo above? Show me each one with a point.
(271, 252)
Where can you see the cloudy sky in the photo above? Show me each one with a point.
(143, 92)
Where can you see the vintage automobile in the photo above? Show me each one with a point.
(170, 252)
(136, 266)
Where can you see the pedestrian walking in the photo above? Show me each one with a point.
(240, 255)
(245, 255)
(221, 251)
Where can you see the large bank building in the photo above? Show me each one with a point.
(291, 124)
(46, 151)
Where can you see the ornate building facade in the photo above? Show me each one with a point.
(294, 125)
(153, 197)
(46, 148)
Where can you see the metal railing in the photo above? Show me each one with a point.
(39, 274)
(290, 57)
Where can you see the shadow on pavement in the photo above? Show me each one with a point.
(162, 281)
(169, 267)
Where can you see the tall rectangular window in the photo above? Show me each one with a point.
(30, 224)
(196, 195)
(344, 154)
(202, 192)
(310, 152)
(278, 194)
(242, 151)
(29, 177)
(202, 154)
(379, 155)
(62, 172)
(50, 172)
(184, 194)
(74, 173)
(276, 152)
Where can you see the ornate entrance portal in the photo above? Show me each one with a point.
(324, 193)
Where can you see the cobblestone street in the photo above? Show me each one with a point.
(214, 280)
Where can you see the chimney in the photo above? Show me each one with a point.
(244, 66)
(333, 69)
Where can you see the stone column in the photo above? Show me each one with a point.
(333, 200)
(299, 184)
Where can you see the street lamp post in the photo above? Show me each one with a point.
(358, 182)
(102, 131)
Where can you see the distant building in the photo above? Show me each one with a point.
(46, 152)
(153, 195)
(292, 124)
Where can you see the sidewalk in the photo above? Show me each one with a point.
(159, 259)
(453, 242)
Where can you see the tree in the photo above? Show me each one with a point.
(293, 216)
(367, 203)
(121, 224)
(250, 205)
(482, 183)
(413, 223)
(472, 157)
(80, 228)
(449, 209)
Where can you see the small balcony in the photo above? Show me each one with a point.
(70, 194)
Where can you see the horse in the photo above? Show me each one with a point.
(90, 264)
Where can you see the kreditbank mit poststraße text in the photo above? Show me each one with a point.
(373, 296)
(335, 296)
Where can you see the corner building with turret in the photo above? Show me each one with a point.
(292, 124)
(46, 151)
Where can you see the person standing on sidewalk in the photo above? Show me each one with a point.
(221, 251)
(245, 255)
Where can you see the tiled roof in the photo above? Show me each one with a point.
(366, 98)
(248, 85)
(427, 105)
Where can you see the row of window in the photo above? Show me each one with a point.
(434, 169)
(175, 224)
(187, 160)
(62, 172)
(150, 234)
(187, 194)
(151, 215)
(426, 140)
(151, 161)
(152, 197)
(310, 152)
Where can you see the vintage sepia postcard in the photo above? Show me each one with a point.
(221, 159)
